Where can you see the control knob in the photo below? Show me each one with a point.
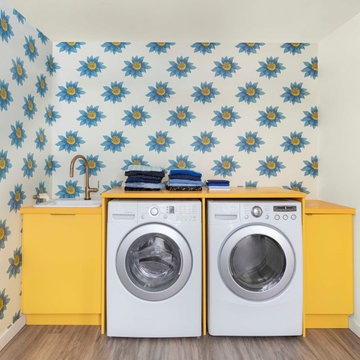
(154, 211)
(256, 211)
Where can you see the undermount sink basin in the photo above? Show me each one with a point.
(70, 203)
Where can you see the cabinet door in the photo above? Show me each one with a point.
(61, 264)
(328, 264)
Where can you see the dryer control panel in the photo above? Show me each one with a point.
(268, 211)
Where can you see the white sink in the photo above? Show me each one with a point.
(70, 203)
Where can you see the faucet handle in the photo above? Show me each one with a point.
(95, 189)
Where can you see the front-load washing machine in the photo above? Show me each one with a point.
(255, 268)
(154, 257)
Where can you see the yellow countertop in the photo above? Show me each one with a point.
(235, 192)
(323, 207)
(56, 210)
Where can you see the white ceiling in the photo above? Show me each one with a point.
(187, 20)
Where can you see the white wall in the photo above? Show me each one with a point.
(339, 99)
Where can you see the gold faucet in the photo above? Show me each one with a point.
(88, 189)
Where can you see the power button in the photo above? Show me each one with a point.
(154, 211)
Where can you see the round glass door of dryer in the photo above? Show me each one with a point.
(256, 262)
(154, 262)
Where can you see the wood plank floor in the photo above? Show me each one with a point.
(86, 343)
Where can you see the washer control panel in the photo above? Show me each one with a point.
(169, 211)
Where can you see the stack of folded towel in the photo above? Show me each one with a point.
(216, 185)
(184, 180)
(142, 178)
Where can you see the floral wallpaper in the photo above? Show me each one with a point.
(25, 140)
(246, 112)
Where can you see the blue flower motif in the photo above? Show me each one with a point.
(29, 166)
(40, 139)
(5, 28)
(295, 93)
(4, 300)
(311, 69)
(91, 116)
(70, 47)
(135, 160)
(16, 198)
(114, 183)
(20, 17)
(50, 165)
(250, 142)
(271, 166)
(311, 117)
(182, 162)
(271, 67)
(44, 39)
(251, 183)
(160, 142)
(115, 93)
(270, 117)
(181, 67)
(226, 117)
(70, 142)
(70, 190)
(114, 47)
(70, 92)
(160, 93)
(29, 107)
(5, 95)
(249, 48)
(250, 93)
(15, 263)
(41, 189)
(205, 93)
(51, 65)
(18, 71)
(226, 166)
(136, 67)
(294, 48)
(204, 48)
(311, 167)
(205, 142)
(5, 164)
(294, 143)
(91, 67)
(226, 67)
(297, 186)
(4, 233)
(159, 47)
(136, 117)
(51, 115)
(95, 165)
(30, 48)
(41, 85)
(181, 117)
(17, 135)
(114, 142)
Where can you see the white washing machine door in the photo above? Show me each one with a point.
(256, 262)
(154, 261)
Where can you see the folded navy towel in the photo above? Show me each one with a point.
(218, 182)
(184, 188)
(185, 177)
(160, 174)
(180, 182)
(145, 179)
(185, 172)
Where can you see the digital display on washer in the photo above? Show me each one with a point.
(284, 208)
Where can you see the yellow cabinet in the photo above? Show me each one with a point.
(61, 274)
(328, 264)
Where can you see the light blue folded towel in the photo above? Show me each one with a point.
(144, 168)
(145, 185)
(180, 182)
